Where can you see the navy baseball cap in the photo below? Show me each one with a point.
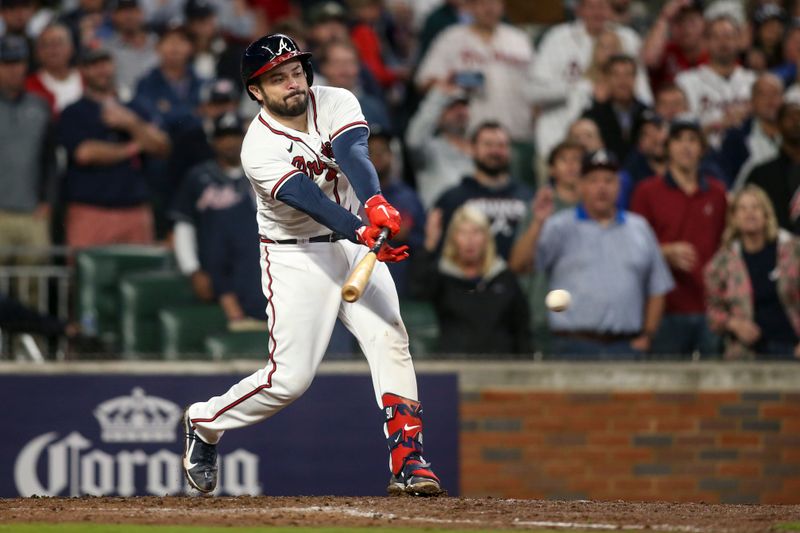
(93, 54)
(682, 124)
(694, 6)
(123, 4)
(198, 9)
(221, 90)
(13, 49)
(326, 11)
(228, 124)
(7, 4)
(599, 160)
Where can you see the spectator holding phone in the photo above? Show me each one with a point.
(489, 59)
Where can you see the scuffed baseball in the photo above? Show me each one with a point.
(558, 300)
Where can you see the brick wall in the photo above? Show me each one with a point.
(730, 447)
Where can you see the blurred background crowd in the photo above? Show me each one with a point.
(643, 155)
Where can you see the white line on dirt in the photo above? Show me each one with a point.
(630, 527)
(360, 513)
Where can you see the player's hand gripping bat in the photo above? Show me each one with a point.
(354, 287)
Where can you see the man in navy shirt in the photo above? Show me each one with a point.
(104, 186)
(171, 91)
(491, 190)
(216, 235)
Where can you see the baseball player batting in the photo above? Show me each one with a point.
(306, 156)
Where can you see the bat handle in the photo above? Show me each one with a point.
(380, 240)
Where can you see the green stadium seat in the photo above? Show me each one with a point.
(246, 345)
(422, 326)
(143, 295)
(99, 271)
(184, 329)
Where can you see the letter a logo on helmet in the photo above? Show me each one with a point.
(267, 53)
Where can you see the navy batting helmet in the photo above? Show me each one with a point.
(267, 53)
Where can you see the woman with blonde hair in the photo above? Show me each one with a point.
(753, 282)
(479, 304)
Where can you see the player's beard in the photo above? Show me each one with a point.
(282, 108)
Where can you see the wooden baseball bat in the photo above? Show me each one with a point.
(354, 287)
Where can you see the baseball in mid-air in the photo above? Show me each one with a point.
(558, 300)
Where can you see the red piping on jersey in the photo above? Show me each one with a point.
(268, 384)
(284, 178)
(279, 132)
(346, 126)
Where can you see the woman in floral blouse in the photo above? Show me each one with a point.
(753, 282)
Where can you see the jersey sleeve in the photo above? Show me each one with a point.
(343, 112)
(267, 171)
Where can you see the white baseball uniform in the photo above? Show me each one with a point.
(710, 95)
(563, 57)
(302, 281)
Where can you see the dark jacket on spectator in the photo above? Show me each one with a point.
(487, 315)
(735, 150)
(615, 138)
(780, 179)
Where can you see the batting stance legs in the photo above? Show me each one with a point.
(302, 284)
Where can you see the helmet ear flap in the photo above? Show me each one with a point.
(309, 70)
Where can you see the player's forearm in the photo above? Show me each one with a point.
(523, 253)
(186, 248)
(303, 194)
(655, 43)
(352, 155)
(230, 306)
(653, 311)
(101, 153)
(422, 125)
(152, 140)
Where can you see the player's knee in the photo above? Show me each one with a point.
(292, 389)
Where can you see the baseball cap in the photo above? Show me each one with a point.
(221, 90)
(326, 11)
(599, 160)
(13, 49)
(226, 124)
(198, 9)
(89, 55)
(6, 4)
(694, 6)
(767, 12)
(123, 4)
(682, 124)
(651, 117)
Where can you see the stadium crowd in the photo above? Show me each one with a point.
(644, 156)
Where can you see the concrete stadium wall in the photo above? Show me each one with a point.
(710, 432)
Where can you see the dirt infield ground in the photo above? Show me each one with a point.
(440, 513)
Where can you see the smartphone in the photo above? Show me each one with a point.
(469, 80)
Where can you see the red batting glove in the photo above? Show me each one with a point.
(382, 214)
(368, 234)
(387, 254)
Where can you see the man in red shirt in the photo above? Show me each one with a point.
(687, 212)
(675, 42)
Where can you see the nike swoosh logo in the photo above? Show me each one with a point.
(290, 147)
(187, 462)
(409, 428)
